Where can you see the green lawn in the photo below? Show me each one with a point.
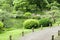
(15, 23)
(15, 34)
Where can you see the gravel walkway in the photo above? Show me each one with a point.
(42, 34)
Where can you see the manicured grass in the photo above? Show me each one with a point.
(15, 34)
(15, 23)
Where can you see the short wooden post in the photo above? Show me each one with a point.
(52, 37)
(49, 25)
(32, 29)
(41, 27)
(58, 32)
(58, 24)
(10, 37)
(22, 33)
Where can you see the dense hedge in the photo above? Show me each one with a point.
(27, 15)
(45, 22)
(31, 23)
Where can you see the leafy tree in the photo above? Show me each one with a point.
(39, 3)
(53, 4)
(20, 5)
(54, 12)
(5, 5)
(10, 2)
(58, 1)
(50, 1)
(4, 15)
(27, 5)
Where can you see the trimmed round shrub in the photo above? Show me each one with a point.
(45, 22)
(31, 23)
(27, 15)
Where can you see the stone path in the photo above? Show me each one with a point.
(42, 34)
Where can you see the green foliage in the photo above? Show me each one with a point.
(50, 1)
(36, 17)
(58, 1)
(31, 23)
(20, 5)
(56, 4)
(54, 8)
(45, 22)
(14, 23)
(27, 5)
(54, 13)
(27, 14)
(1, 24)
(39, 3)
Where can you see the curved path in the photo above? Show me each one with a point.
(42, 34)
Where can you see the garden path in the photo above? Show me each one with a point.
(45, 34)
